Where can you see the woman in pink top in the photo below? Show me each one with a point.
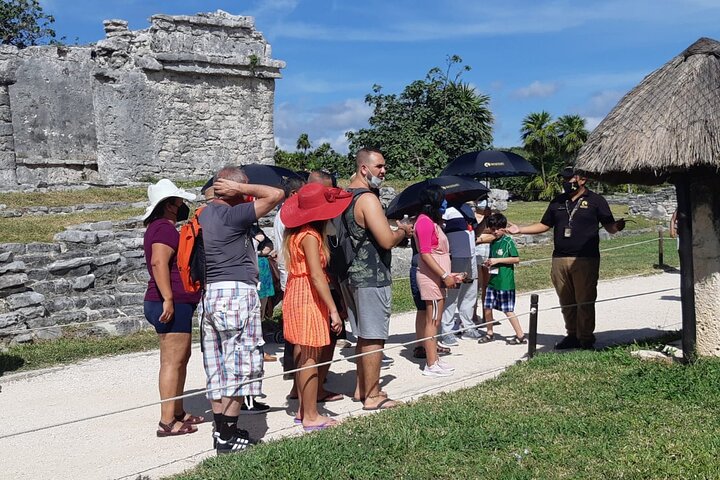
(433, 276)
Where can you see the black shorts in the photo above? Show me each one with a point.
(415, 290)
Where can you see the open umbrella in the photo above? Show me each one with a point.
(457, 190)
(489, 164)
(268, 174)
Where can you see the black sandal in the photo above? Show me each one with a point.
(486, 338)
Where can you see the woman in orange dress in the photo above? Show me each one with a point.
(309, 312)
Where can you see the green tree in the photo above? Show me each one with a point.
(23, 23)
(303, 143)
(431, 122)
(540, 139)
(572, 135)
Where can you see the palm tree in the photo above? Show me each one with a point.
(572, 135)
(539, 135)
(303, 143)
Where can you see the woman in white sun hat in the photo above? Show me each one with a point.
(167, 306)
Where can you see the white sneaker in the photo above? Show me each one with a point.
(444, 365)
(435, 371)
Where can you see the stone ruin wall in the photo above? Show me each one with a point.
(179, 99)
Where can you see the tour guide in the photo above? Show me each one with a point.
(574, 216)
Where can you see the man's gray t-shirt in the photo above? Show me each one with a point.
(229, 251)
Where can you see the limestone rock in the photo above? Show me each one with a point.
(84, 282)
(6, 257)
(77, 236)
(651, 355)
(26, 299)
(13, 280)
(60, 267)
(9, 319)
(12, 267)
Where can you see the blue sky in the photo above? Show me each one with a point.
(562, 56)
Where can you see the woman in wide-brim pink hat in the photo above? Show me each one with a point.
(309, 312)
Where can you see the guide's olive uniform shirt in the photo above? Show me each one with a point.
(576, 224)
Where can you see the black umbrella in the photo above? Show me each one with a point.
(489, 164)
(268, 174)
(457, 190)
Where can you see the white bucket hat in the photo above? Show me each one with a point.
(162, 190)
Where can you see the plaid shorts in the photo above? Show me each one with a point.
(503, 300)
(231, 339)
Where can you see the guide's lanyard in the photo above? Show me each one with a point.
(568, 229)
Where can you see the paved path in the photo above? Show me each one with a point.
(124, 445)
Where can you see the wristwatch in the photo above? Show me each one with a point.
(444, 275)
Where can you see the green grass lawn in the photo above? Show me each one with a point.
(42, 228)
(581, 415)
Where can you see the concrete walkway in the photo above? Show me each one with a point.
(124, 445)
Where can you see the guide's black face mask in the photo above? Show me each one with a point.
(183, 213)
(569, 187)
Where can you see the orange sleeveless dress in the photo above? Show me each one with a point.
(306, 319)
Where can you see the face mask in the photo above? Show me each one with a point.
(569, 187)
(373, 181)
(443, 207)
(183, 213)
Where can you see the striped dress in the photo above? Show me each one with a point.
(305, 316)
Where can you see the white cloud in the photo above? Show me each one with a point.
(326, 123)
(536, 89)
(592, 122)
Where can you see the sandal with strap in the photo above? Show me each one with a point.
(516, 340)
(166, 429)
(486, 338)
(443, 350)
(188, 418)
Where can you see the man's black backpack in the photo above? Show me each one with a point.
(342, 252)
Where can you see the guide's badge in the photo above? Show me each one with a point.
(568, 232)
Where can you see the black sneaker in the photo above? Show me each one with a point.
(234, 444)
(251, 407)
(239, 432)
(567, 343)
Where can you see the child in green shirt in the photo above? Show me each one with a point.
(500, 293)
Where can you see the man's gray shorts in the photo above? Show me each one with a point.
(368, 310)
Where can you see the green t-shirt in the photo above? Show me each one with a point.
(503, 247)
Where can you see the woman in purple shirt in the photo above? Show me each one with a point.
(167, 306)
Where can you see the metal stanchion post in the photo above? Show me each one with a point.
(532, 343)
(661, 256)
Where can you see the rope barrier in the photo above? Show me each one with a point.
(93, 322)
(349, 358)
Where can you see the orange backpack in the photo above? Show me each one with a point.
(191, 255)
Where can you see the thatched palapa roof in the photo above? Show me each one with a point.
(670, 123)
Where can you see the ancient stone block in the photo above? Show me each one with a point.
(69, 316)
(6, 257)
(100, 301)
(105, 236)
(61, 267)
(18, 248)
(76, 236)
(131, 287)
(123, 299)
(37, 274)
(84, 282)
(12, 267)
(13, 280)
(58, 304)
(48, 333)
(110, 247)
(37, 247)
(20, 339)
(26, 299)
(30, 313)
(9, 319)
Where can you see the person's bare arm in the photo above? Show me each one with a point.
(311, 248)
(615, 227)
(533, 229)
(484, 238)
(505, 261)
(370, 215)
(266, 198)
(160, 265)
(450, 279)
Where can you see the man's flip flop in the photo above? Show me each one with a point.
(331, 397)
(383, 405)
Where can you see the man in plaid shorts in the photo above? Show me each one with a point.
(231, 331)
(500, 294)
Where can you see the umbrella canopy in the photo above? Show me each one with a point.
(489, 164)
(668, 124)
(268, 174)
(457, 190)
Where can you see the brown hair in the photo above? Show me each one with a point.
(319, 227)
